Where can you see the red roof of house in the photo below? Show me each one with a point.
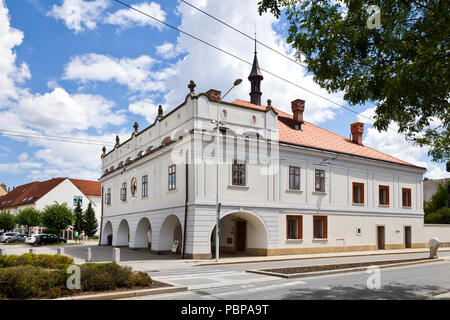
(316, 137)
(88, 187)
(33, 191)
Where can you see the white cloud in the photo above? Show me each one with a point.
(61, 112)
(210, 68)
(9, 72)
(146, 108)
(168, 51)
(23, 156)
(395, 144)
(127, 18)
(134, 73)
(79, 14)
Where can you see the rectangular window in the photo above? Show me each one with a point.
(145, 186)
(358, 192)
(294, 178)
(294, 227)
(383, 198)
(406, 197)
(320, 227)
(239, 173)
(320, 180)
(108, 197)
(77, 199)
(123, 192)
(172, 177)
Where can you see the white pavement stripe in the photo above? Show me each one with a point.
(186, 275)
(265, 288)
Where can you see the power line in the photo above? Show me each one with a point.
(244, 34)
(8, 132)
(241, 59)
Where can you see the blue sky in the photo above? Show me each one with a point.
(89, 69)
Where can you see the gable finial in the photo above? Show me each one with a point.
(191, 87)
(160, 112)
(136, 127)
(117, 141)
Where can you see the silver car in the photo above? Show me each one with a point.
(6, 237)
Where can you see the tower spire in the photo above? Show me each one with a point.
(255, 79)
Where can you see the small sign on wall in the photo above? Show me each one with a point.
(175, 246)
(358, 231)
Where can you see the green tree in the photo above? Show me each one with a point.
(7, 221)
(29, 217)
(436, 210)
(79, 219)
(91, 223)
(403, 66)
(57, 217)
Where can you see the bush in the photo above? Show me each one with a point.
(37, 260)
(439, 216)
(31, 282)
(110, 276)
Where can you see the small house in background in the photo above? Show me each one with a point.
(39, 194)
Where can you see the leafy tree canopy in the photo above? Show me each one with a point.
(57, 217)
(7, 221)
(403, 66)
(29, 217)
(438, 200)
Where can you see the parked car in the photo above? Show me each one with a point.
(6, 237)
(48, 239)
(31, 239)
(17, 238)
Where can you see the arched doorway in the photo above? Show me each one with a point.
(107, 234)
(241, 233)
(171, 231)
(123, 234)
(143, 236)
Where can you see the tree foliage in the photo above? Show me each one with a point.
(7, 221)
(79, 219)
(57, 217)
(29, 217)
(403, 66)
(90, 221)
(435, 209)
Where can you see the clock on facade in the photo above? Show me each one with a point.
(133, 187)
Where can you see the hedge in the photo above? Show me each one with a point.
(45, 276)
(50, 261)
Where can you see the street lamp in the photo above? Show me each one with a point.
(218, 123)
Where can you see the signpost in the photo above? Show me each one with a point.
(174, 246)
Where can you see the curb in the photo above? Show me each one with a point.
(327, 272)
(126, 294)
(307, 258)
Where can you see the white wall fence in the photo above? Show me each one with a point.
(439, 231)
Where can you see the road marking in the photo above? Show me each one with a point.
(265, 288)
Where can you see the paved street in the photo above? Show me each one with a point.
(412, 282)
(206, 280)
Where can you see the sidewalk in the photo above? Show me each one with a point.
(254, 259)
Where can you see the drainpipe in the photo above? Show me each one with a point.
(101, 223)
(186, 206)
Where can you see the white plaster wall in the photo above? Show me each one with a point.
(342, 230)
(439, 231)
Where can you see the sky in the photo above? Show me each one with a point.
(88, 69)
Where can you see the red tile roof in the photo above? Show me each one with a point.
(33, 191)
(28, 193)
(319, 138)
(88, 187)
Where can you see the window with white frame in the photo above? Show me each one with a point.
(320, 180)
(123, 192)
(145, 186)
(108, 196)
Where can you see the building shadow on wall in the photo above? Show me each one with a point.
(387, 292)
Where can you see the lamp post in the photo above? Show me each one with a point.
(218, 123)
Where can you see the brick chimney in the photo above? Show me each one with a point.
(298, 106)
(213, 95)
(357, 129)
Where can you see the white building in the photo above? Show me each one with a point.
(39, 194)
(286, 186)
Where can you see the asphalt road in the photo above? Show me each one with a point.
(424, 281)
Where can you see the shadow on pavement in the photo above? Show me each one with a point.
(387, 292)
